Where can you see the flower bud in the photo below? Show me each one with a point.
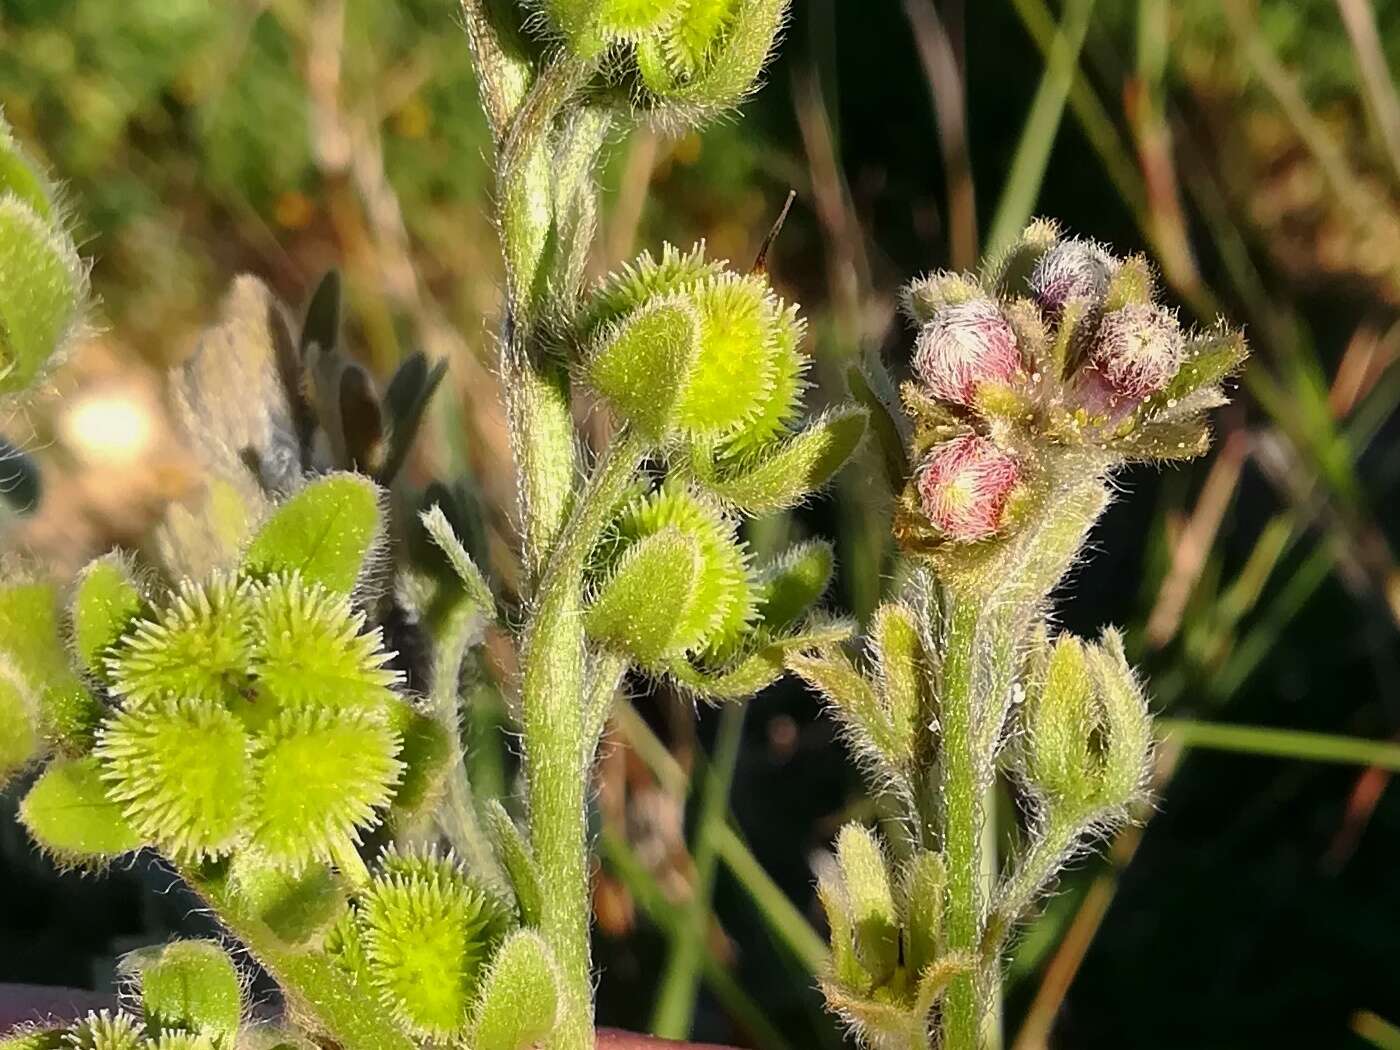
(965, 345)
(1072, 269)
(965, 485)
(1138, 350)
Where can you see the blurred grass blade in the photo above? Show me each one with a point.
(1376, 1030)
(1377, 85)
(1282, 743)
(1022, 190)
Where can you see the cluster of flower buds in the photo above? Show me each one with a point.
(687, 59)
(1056, 358)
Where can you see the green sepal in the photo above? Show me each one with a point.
(444, 537)
(31, 644)
(191, 985)
(69, 815)
(859, 706)
(294, 907)
(34, 1037)
(924, 297)
(1183, 436)
(427, 755)
(643, 364)
(902, 665)
(866, 876)
(787, 587)
(846, 970)
(518, 859)
(326, 533)
(20, 740)
(763, 664)
(1132, 283)
(650, 606)
(1059, 718)
(1008, 273)
(105, 602)
(1125, 751)
(921, 892)
(21, 177)
(1210, 360)
(41, 295)
(780, 477)
(519, 1002)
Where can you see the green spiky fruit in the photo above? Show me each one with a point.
(181, 771)
(428, 932)
(199, 647)
(320, 778)
(105, 602)
(646, 279)
(105, 1030)
(312, 650)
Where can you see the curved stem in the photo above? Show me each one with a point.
(552, 696)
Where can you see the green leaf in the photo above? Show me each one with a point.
(517, 858)
(70, 815)
(642, 365)
(474, 584)
(191, 985)
(519, 1001)
(764, 665)
(1210, 359)
(105, 602)
(793, 582)
(782, 477)
(326, 533)
(42, 291)
(867, 881)
(295, 907)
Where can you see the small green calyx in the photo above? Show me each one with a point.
(105, 602)
(683, 348)
(187, 988)
(428, 932)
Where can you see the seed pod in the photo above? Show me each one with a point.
(965, 486)
(965, 346)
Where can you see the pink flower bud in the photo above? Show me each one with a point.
(965, 345)
(964, 486)
(1138, 350)
(1072, 269)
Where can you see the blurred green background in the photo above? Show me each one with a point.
(1251, 147)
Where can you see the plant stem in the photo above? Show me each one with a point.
(552, 696)
(960, 783)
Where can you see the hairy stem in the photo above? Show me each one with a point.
(552, 697)
(961, 787)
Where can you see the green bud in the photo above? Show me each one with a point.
(326, 533)
(875, 923)
(519, 1002)
(191, 985)
(105, 602)
(925, 297)
(1126, 725)
(902, 669)
(69, 814)
(1059, 718)
(793, 582)
(41, 295)
(429, 932)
